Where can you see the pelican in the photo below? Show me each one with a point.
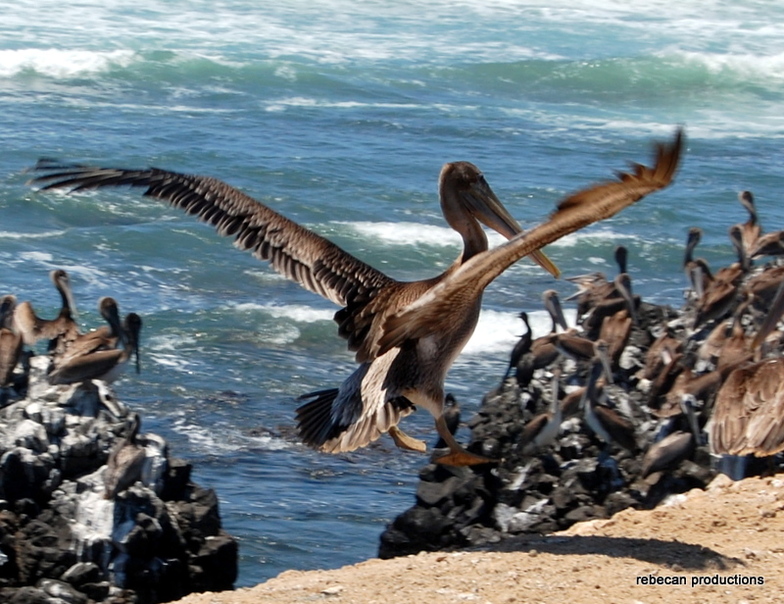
(748, 416)
(125, 463)
(696, 269)
(405, 335)
(60, 330)
(594, 288)
(10, 341)
(103, 364)
(103, 338)
(671, 450)
(750, 230)
(544, 427)
(769, 244)
(606, 423)
(719, 296)
(543, 348)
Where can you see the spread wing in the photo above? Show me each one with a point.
(430, 312)
(299, 254)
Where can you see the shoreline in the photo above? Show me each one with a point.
(682, 548)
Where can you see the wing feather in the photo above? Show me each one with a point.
(299, 254)
(431, 313)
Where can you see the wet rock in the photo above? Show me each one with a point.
(63, 541)
(576, 478)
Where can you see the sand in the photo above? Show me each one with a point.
(731, 532)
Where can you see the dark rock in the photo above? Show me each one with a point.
(81, 573)
(135, 548)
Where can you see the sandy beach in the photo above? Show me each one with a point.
(718, 545)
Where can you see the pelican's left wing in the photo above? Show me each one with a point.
(430, 313)
(299, 254)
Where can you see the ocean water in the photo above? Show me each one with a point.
(339, 115)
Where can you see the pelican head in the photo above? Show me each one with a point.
(467, 198)
(553, 306)
(747, 201)
(62, 283)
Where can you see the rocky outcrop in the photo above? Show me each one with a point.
(64, 538)
(574, 479)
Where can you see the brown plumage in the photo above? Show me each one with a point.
(748, 416)
(405, 335)
(769, 244)
(10, 340)
(61, 330)
(103, 363)
(125, 463)
(720, 295)
(750, 230)
(543, 348)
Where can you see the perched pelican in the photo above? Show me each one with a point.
(543, 348)
(405, 335)
(750, 230)
(606, 423)
(748, 416)
(719, 296)
(61, 330)
(594, 288)
(103, 364)
(622, 299)
(696, 269)
(671, 450)
(769, 244)
(10, 341)
(660, 354)
(543, 428)
(103, 338)
(125, 463)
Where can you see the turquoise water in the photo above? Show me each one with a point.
(340, 115)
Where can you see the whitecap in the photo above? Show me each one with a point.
(17, 235)
(497, 332)
(296, 312)
(60, 63)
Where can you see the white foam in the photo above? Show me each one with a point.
(497, 332)
(296, 312)
(17, 235)
(59, 63)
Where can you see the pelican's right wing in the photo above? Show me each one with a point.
(430, 313)
(297, 253)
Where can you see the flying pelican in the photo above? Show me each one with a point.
(405, 335)
(61, 330)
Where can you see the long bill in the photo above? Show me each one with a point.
(430, 313)
(489, 210)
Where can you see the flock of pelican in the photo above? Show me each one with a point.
(76, 356)
(405, 335)
(713, 370)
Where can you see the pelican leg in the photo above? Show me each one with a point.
(457, 455)
(404, 441)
